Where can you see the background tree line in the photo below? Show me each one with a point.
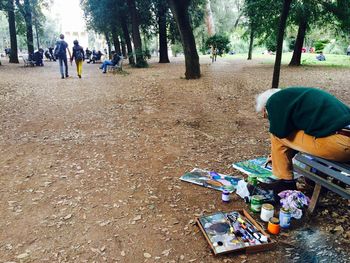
(192, 26)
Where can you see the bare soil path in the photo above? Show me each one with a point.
(89, 168)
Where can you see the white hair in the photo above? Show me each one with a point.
(262, 98)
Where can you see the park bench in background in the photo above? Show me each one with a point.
(334, 176)
(28, 62)
(118, 67)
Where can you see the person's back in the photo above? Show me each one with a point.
(60, 53)
(60, 49)
(295, 108)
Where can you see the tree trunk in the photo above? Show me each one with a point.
(280, 36)
(180, 12)
(163, 43)
(140, 61)
(26, 12)
(13, 34)
(299, 42)
(108, 45)
(122, 43)
(116, 42)
(209, 20)
(36, 33)
(251, 41)
(127, 40)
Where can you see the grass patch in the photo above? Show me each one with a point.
(307, 59)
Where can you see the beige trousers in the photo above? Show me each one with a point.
(334, 147)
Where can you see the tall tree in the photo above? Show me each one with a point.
(25, 9)
(209, 19)
(162, 8)
(280, 36)
(13, 34)
(123, 20)
(179, 8)
(140, 59)
(260, 21)
(299, 42)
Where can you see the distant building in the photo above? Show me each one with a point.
(72, 25)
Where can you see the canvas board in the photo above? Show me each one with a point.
(257, 167)
(212, 179)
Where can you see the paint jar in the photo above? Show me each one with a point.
(285, 218)
(273, 226)
(253, 180)
(256, 203)
(225, 196)
(267, 211)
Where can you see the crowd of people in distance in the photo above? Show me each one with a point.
(59, 52)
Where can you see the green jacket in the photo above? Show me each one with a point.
(312, 110)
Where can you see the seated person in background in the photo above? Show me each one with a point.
(88, 55)
(97, 56)
(299, 122)
(47, 55)
(115, 60)
(348, 51)
(51, 54)
(38, 57)
(320, 57)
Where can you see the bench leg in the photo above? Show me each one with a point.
(314, 198)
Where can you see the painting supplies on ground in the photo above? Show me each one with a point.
(234, 231)
(267, 211)
(225, 196)
(273, 226)
(212, 179)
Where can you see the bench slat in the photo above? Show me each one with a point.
(325, 169)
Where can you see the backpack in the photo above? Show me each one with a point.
(60, 50)
(79, 55)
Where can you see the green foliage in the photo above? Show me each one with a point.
(220, 42)
(320, 44)
(271, 43)
(291, 43)
(336, 47)
(176, 48)
(144, 54)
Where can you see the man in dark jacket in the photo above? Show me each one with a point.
(307, 120)
(60, 53)
(115, 60)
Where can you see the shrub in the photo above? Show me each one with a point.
(220, 42)
(320, 44)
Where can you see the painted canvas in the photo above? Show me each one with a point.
(227, 232)
(212, 179)
(255, 167)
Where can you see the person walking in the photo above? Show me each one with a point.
(79, 56)
(61, 55)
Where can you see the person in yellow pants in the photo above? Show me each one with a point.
(304, 119)
(79, 56)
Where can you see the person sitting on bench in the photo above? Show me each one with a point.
(115, 60)
(303, 119)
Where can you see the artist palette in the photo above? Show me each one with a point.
(234, 231)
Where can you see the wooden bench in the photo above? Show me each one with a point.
(118, 67)
(332, 175)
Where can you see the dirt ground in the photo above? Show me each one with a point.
(89, 168)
